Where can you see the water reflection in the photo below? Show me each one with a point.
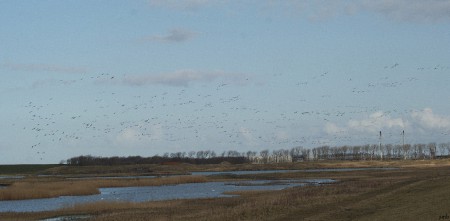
(12, 177)
(182, 191)
(110, 177)
(154, 193)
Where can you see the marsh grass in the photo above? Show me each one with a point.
(47, 188)
(252, 205)
(33, 190)
(411, 193)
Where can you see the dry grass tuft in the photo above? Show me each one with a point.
(33, 190)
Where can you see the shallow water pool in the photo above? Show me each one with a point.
(155, 193)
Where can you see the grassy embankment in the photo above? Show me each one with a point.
(418, 191)
(25, 169)
(156, 169)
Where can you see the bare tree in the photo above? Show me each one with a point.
(250, 154)
(421, 148)
(305, 154)
(356, 153)
(296, 153)
(200, 154)
(406, 151)
(389, 148)
(206, 153)
(314, 153)
(373, 149)
(264, 155)
(442, 149)
(344, 150)
(191, 154)
(432, 149)
(448, 148)
(367, 151)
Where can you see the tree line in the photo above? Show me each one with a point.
(173, 158)
(295, 154)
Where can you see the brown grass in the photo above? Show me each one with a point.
(36, 189)
(154, 169)
(419, 193)
(374, 195)
(47, 188)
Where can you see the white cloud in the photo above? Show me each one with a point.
(176, 35)
(375, 122)
(183, 78)
(43, 68)
(420, 125)
(427, 119)
(331, 128)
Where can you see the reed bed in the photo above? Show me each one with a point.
(33, 189)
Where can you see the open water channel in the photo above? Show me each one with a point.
(168, 192)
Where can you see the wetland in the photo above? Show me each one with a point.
(335, 190)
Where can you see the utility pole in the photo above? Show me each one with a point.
(381, 152)
(403, 137)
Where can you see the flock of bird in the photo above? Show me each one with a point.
(187, 115)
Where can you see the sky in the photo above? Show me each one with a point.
(146, 77)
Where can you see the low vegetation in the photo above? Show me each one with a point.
(47, 188)
(419, 190)
(25, 168)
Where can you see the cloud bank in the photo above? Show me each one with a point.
(183, 78)
(176, 35)
(423, 120)
(428, 120)
(376, 122)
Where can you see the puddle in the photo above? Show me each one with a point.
(110, 177)
(243, 172)
(12, 177)
(68, 218)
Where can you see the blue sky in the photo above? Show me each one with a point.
(124, 78)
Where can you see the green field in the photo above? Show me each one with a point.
(24, 169)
